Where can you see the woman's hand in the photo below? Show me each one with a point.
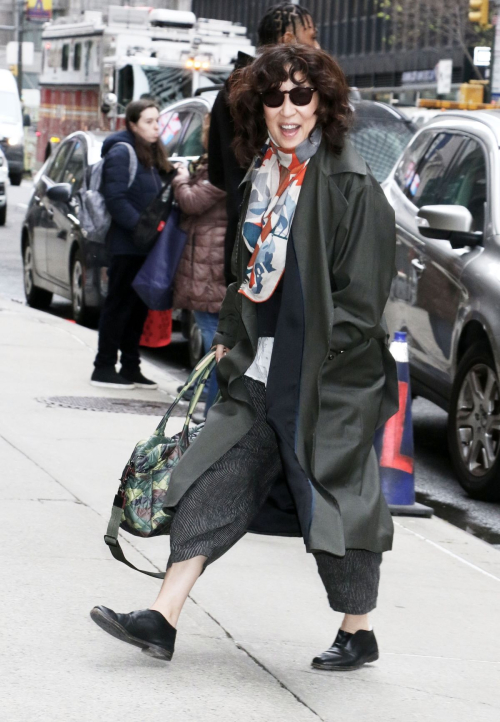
(181, 169)
(220, 352)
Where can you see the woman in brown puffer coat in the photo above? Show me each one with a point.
(199, 282)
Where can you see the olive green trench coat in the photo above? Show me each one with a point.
(344, 238)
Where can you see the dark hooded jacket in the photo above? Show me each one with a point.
(332, 380)
(125, 204)
(224, 171)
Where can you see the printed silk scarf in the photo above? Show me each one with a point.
(270, 214)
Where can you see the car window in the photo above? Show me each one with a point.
(56, 169)
(405, 172)
(466, 183)
(425, 187)
(171, 125)
(75, 167)
(192, 145)
(380, 142)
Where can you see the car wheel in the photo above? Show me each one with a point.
(474, 424)
(195, 342)
(81, 313)
(36, 297)
(16, 178)
(3, 215)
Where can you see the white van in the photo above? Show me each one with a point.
(11, 126)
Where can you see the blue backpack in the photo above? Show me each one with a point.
(93, 215)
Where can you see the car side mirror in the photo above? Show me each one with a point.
(61, 192)
(26, 120)
(448, 223)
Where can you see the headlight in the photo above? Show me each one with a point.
(14, 140)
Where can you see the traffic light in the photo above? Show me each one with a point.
(479, 12)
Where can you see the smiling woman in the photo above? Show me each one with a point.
(304, 371)
(256, 90)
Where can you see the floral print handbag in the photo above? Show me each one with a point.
(138, 504)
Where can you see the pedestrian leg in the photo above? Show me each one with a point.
(118, 307)
(207, 323)
(131, 336)
(179, 580)
(351, 584)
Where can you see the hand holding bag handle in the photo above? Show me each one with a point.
(197, 379)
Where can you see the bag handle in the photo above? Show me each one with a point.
(111, 539)
(198, 379)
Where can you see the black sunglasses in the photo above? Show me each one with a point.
(275, 97)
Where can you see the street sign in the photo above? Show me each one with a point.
(39, 10)
(444, 71)
(482, 56)
(28, 53)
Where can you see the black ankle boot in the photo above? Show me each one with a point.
(146, 628)
(348, 652)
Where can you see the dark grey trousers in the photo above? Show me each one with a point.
(216, 511)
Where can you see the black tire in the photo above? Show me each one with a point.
(82, 314)
(195, 341)
(474, 424)
(35, 297)
(3, 215)
(16, 178)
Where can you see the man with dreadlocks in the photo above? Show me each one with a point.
(287, 23)
(283, 23)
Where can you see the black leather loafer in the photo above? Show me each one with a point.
(348, 652)
(146, 628)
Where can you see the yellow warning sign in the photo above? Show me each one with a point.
(39, 10)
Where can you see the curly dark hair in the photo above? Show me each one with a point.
(275, 66)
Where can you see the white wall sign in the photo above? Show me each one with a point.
(444, 71)
(495, 73)
(28, 53)
(482, 56)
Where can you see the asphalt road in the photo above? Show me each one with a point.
(435, 482)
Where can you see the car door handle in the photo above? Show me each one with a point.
(418, 265)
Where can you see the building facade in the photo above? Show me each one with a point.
(385, 62)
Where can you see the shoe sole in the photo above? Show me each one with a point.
(146, 386)
(107, 385)
(335, 668)
(116, 630)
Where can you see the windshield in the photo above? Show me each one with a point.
(10, 108)
(381, 142)
(165, 84)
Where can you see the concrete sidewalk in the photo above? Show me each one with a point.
(255, 619)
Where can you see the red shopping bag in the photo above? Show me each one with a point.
(157, 329)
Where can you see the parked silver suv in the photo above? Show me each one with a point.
(446, 194)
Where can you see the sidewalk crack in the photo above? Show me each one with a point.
(257, 661)
(238, 645)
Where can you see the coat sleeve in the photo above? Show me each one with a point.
(363, 267)
(228, 318)
(196, 198)
(115, 188)
(220, 124)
